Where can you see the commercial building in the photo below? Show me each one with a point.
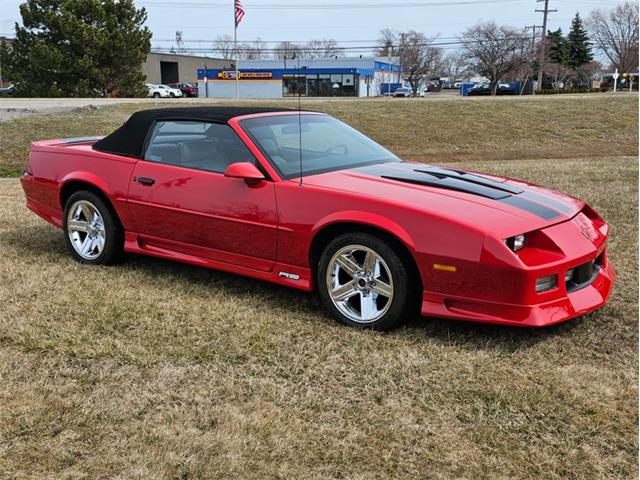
(325, 77)
(163, 68)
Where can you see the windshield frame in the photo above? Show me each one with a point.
(241, 120)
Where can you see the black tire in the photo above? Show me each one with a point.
(156, 95)
(402, 301)
(113, 249)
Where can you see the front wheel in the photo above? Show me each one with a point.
(93, 233)
(363, 282)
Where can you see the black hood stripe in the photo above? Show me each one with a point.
(548, 201)
(531, 207)
(470, 177)
(450, 184)
(525, 199)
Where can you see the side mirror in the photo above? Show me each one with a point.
(245, 170)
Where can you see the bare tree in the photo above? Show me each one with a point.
(494, 51)
(455, 66)
(224, 45)
(418, 57)
(255, 50)
(325, 48)
(387, 41)
(584, 74)
(288, 50)
(615, 33)
(559, 73)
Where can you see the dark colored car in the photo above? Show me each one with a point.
(8, 91)
(187, 89)
(485, 89)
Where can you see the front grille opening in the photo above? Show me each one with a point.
(582, 275)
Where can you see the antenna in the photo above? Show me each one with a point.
(180, 42)
(300, 116)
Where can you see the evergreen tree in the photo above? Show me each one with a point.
(558, 47)
(79, 48)
(579, 45)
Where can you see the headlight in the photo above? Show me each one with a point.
(516, 243)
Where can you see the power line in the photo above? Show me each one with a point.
(325, 6)
(300, 42)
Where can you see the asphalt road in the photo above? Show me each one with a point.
(11, 107)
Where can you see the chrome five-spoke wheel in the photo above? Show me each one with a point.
(86, 229)
(360, 283)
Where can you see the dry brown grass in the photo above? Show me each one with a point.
(153, 369)
(416, 129)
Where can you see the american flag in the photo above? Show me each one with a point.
(239, 12)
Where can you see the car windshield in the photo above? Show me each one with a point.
(325, 143)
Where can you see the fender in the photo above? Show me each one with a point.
(86, 177)
(366, 218)
(118, 199)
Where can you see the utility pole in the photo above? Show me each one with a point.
(545, 14)
(533, 29)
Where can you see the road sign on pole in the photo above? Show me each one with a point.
(615, 80)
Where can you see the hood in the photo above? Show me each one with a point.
(491, 203)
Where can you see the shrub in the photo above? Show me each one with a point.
(554, 91)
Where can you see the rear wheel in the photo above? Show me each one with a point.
(156, 95)
(363, 282)
(93, 233)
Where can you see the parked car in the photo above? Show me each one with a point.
(378, 238)
(8, 91)
(429, 87)
(187, 89)
(162, 91)
(403, 92)
(485, 89)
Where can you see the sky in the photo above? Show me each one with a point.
(353, 23)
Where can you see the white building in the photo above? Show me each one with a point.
(320, 77)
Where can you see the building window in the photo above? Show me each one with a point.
(320, 85)
(294, 85)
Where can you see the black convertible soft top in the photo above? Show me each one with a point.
(128, 140)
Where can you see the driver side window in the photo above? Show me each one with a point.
(199, 145)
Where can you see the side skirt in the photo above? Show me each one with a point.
(302, 282)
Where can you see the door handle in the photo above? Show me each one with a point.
(144, 181)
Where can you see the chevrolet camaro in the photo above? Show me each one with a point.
(303, 200)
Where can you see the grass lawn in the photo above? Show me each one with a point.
(152, 369)
(416, 129)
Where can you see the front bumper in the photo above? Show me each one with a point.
(572, 304)
(499, 290)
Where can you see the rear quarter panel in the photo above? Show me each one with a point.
(52, 165)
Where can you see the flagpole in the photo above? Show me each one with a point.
(235, 51)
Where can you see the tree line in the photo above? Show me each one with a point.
(89, 47)
(502, 53)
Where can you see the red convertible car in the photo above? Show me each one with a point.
(303, 200)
